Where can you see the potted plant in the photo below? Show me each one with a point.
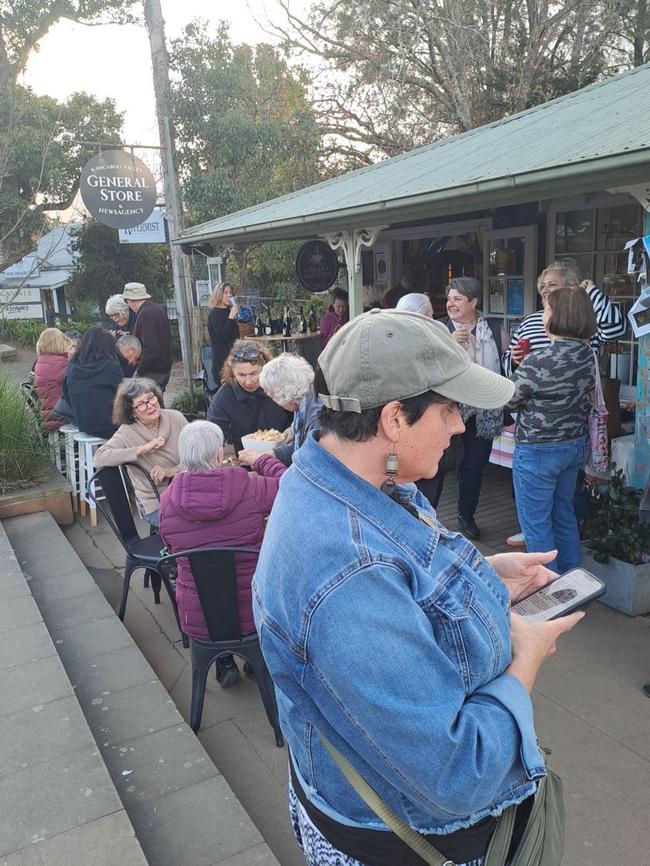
(23, 452)
(617, 546)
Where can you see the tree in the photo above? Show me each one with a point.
(245, 128)
(41, 158)
(104, 265)
(396, 74)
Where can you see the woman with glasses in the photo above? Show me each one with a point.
(222, 326)
(121, 316)
(147, 435)
(241, 406)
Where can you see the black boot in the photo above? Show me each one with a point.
(469, 528)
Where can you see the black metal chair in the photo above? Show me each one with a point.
(215, 577)
(205, 376)
(147, 552)
(30, 394)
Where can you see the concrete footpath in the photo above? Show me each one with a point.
(589, 707)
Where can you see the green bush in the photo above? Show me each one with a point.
(613, 527)
(23, 452)
(25, 332)
(190, 403)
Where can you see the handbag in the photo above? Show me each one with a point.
(597, 467)
(541, 844)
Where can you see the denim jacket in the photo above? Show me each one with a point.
(391, 637)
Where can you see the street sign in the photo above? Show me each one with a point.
(151, 231)
(118, 189)
(316, 266)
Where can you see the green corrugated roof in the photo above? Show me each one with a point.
(595, 138)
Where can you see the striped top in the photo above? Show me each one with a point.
(610, 321)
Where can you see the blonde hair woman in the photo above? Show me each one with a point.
(222, 326)
(49, 370)
(564, 274)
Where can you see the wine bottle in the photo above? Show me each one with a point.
(312, 324)
(258, 327)
(302, 322)
(286, 323)
(268, 327)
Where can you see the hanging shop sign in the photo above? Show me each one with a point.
(151, 231)
(316, 266)
(118, 189)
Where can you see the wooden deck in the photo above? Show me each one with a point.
(496, 515)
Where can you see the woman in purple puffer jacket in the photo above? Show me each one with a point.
(209, 506)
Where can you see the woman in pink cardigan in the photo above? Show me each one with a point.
(209, 506)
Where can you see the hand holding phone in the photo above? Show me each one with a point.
(571, 591)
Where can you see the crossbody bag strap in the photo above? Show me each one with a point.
(400, 828)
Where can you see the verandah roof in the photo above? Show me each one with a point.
(595, 138)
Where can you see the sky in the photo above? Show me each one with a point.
(115, 61)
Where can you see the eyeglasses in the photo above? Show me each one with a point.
(151, 400)
(248, 353)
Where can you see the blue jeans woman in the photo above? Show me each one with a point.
(545, 478)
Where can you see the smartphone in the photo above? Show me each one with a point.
(573, 590)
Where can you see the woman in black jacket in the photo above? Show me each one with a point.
(222, 327)
(91, 379)
(240, 406)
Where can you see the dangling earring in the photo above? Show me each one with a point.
(392, 466)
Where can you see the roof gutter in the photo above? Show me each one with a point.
(588, 176)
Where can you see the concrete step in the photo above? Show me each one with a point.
(180, 806)
(7, 353)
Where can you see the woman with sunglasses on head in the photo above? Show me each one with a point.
(147, 435)
(241, 406)
(222, 326)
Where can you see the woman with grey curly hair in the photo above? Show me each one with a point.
(121, 315)
(288, 380)
(148, 435)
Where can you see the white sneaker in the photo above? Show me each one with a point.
(516, 540)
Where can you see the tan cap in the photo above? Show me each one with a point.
(389, 355)
(135, 292)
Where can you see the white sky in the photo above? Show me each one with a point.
(116, 61)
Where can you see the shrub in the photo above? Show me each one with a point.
(613, 527)
(23, 452)
(190, 402)
(25, 332)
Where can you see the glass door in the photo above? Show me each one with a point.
(509, 291)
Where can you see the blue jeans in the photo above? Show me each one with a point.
(545, 484)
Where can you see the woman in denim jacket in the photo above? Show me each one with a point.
(385, 632)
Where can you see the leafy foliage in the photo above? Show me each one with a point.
(23, 455)
(190, 402)
(613, 528)
(41, 158)
(245, 127)
(25, 332)
(105, 265)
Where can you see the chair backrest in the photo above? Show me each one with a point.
(206, 360)
(31, 396)
(120, 518)
(215, 577)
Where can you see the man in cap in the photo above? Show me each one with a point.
(383, 631)
(153, 331)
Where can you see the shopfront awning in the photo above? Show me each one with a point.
(594, 139)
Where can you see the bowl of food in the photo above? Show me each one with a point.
(263, 441)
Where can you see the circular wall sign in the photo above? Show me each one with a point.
(316, 266)
(118, 189)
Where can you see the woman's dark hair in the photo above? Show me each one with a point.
(362, 426)
(340, 295)
(572, 314)
(95, 345)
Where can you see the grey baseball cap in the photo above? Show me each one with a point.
(386, 355)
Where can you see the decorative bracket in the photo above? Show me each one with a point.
(351, 242)
(223, 249)
(640, 191)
